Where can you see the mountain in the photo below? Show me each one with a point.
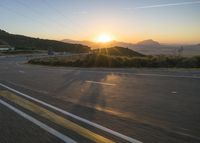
(71, 41)
(96, 45)
(118, 51)
(147, 47)
(24, 42)
(148, 43)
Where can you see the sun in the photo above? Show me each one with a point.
(104, 38)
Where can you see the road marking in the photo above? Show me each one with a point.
(20, 71)
(51, 116)
(172, 76)
(117, 134)
(103, 83)
(38, 123)
(173, 92)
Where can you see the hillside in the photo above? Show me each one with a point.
(148, 42)
(118, 51)
(3, 42)
(25, 43)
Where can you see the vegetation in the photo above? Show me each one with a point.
(25, 43)
(100, 60)
(58, 61)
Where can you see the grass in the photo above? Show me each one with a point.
(101, 60)
(57, 61)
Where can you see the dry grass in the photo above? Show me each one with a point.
(99, 60)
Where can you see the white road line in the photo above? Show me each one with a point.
(103, 83)
(173, 92)
(39, 123)
(20, 71)
(173, 76)
(74, 116)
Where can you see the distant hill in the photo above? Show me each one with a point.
(71, 41)
(24, 42)
(95, 45)
(147, 47)
(148, 42)
(118, 51)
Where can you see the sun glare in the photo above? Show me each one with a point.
(104, 38)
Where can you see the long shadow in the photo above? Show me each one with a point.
(89, 100)
(70, 78)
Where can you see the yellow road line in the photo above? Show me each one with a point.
(54, 117)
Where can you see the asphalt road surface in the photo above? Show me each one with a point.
(62, 104)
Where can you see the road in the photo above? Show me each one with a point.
(98, 104)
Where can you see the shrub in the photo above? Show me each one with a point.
(100, 60)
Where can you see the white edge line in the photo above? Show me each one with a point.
(38, 123)
(172, 76)
(103, 83)
(117, 134)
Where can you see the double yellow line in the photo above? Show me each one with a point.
(51, 116)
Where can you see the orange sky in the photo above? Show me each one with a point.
(174, 21)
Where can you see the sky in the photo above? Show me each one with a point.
(166, 21)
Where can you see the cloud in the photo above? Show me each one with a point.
(167, 5)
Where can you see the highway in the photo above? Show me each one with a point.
(64, 104)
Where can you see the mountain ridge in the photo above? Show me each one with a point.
(148, 42)
(25, 42)
(147, 47)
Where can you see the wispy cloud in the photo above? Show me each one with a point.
(167, 5)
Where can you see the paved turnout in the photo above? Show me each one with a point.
(57, 104)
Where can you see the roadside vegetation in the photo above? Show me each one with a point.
(101, 60)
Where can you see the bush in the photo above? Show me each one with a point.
(100, 60)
